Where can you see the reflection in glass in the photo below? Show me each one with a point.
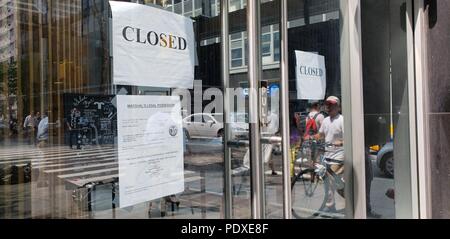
(60, 161)
(386, 109)
(317, 124)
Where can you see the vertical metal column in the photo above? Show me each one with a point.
(287, 199)
(412, 110)
(421, 79)
(254, 75)
(228, 199)
(113, 89)
(353, 109)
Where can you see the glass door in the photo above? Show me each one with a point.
(317, 93)
(389, 124)
(238, 168)
(321, 155)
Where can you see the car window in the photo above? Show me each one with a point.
(239, 118)
(206, 119)
(218, 117)
(190, 119)
(197, 118)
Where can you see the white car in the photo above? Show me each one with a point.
(239, 125)
(211, 125)
(203, 125)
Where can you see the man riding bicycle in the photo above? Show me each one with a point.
(332, 132)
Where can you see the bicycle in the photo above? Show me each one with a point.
(310, 181)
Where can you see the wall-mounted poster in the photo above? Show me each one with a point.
(150, 148)
(152, 47)
(311, 76)
(93, 116)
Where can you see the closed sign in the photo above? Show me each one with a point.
(311, 76)
(152, 47)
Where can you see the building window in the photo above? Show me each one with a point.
(277, 46)
(270, 47)
(187, 8)
(236, 48)
(198, 9)
(266, 42)
(237, 5)
(177, 6)
(215, 8)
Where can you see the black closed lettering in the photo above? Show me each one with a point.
(138, 33)
(124, 33)
(182, 44)
(153, 38)
(311, 71)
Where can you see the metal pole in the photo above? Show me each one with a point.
(287, 199)
(111, 54)
(228, 199)
(254, 74)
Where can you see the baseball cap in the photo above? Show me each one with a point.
(333, 100)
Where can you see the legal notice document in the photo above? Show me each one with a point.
(150, 148)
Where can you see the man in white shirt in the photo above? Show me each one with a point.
(332, 132)
(29, 126)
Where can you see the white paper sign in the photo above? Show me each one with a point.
(152, 47)
(311, 76)
(150, 148)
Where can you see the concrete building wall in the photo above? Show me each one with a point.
(438, 109)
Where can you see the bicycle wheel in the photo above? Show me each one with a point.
(308, 194)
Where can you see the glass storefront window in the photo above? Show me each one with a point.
(61, 130)
(58, 118)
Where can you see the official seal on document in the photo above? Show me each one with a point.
(173, 131)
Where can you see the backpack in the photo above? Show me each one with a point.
(311, 126)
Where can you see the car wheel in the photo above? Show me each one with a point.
(387, 165)
(220, 134)
(188, 136)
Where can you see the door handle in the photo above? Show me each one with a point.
(245, 143)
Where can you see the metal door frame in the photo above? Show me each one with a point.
(422, 204)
